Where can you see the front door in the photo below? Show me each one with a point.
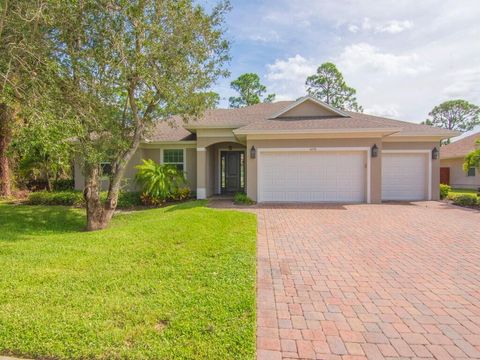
(232, 171)
(445, 175)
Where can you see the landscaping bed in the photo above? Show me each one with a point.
(461, 197)
(170, 283)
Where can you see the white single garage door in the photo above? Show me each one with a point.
(312, 176)
(404, 176)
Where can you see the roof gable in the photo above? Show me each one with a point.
(310, 107)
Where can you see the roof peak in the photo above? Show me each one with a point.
(312, 99)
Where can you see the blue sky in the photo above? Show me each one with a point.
(403, 57)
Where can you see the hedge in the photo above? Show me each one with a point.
(466, 200)
(75, 198)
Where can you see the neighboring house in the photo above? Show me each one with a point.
(451, 164)
(298, 151)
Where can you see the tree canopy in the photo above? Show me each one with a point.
(21, 40)
(329, 86)
(472, 159)
(250, 91)
(114, 68)
(455, 115)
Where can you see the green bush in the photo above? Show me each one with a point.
(68, 198)
(242, 198)
(444, 190)
(466, 200)
(160, 182)
(129, 199)
(75, 198)
(178, 195)
(63, 185)
(181, 194)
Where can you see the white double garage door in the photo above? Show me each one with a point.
(313, 175)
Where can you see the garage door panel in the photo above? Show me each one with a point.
(312, 176)
(404, 176)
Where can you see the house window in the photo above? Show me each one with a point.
(174, 157)
(105, 169)
(471, 172)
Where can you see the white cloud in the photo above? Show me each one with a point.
(353, 28)
(268, 36)
(389, 26)
(287, 77)
(390, 111)
(365, 57)
(395, 26)
(414, 54)
(464, 82)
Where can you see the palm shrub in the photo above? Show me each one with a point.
(159, 181)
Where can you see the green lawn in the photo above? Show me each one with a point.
(177, 282)
(453, 193)
(462, 191)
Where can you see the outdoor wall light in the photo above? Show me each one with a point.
(435, 153)
(374, 151)
(253, 152)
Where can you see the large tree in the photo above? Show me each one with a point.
(20, 29)
(251, 91)
(117, 66)
(328, 85)
(455, 115)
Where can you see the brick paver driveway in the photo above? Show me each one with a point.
(368, 281)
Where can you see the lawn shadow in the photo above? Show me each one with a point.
(19, 220)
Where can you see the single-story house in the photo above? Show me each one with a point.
(451, 164)
(297, 151)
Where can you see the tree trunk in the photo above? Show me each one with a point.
(6, 119)
(93, 204)
(98, 214)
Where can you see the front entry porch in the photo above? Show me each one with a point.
(221, 169)
(232, 172)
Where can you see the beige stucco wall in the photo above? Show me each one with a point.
(191, 168)
(128, 182)
(375, 165)
(151, 151)
(458, 177)
(202, 167)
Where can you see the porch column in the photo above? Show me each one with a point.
(201, 173)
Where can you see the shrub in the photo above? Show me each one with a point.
(466, 200)
(159, 181)
(75, 198)
(180, 194)
(444, 190)
(63, 184)
(129, 199)
(242, 198)
(68, 198)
